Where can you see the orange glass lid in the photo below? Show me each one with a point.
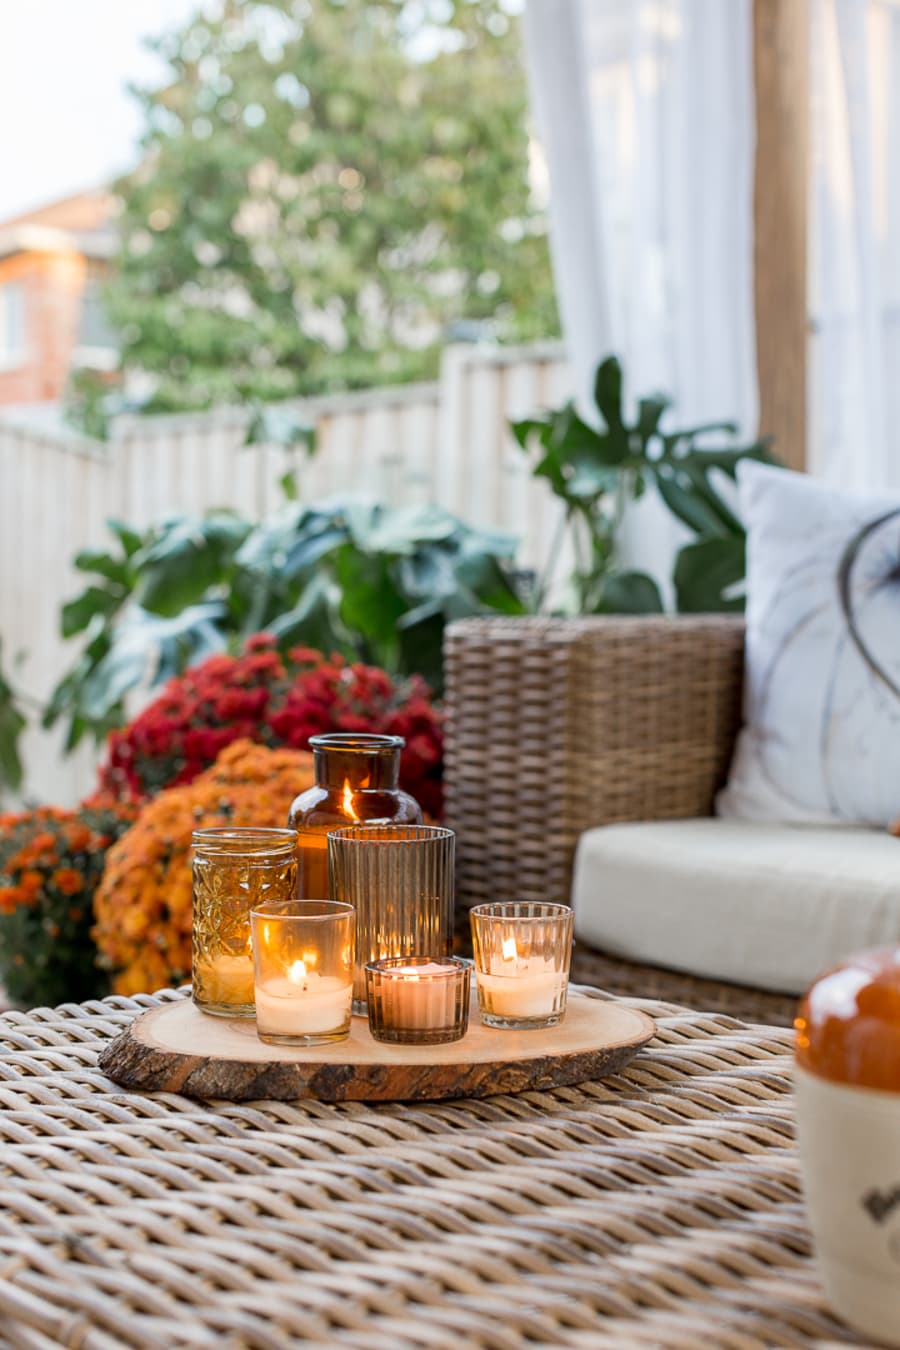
(848, 1026)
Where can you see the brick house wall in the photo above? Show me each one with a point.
(49, 257)
(52, 285)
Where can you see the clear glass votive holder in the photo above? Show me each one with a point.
(303, 970)
(233, 871)
(400, 878)
(522, 955)
(418, 1000)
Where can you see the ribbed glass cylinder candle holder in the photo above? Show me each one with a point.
(234, 871)
(401, 880)
(418, 1000)
(522, 956)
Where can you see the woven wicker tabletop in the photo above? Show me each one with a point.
(658, 1208)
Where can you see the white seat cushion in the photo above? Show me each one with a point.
(759, 904)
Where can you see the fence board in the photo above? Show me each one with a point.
(445, 442)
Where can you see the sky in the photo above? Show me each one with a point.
(67, 121)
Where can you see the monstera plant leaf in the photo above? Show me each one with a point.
(631, 593)
(709, 575)
(596, 468)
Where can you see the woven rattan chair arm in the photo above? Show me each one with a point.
(555, 726)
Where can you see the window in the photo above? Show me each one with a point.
(12, 324)
(96, 348)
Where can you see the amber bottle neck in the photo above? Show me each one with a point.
(363, 770)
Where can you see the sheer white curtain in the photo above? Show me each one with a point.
(855, 236)
(645, 112)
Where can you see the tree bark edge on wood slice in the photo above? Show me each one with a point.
(134, 1060)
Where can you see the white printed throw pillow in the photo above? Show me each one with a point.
(821, 741)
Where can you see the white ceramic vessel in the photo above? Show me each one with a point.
(848, 1134)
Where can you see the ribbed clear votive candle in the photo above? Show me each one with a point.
(522, 956)
(400, 879)
(418, 1000)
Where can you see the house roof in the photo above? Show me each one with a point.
(81, 223)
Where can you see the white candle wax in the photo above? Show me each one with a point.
(225, 979)
(420, 997)
(307, 1004)
(522, 988)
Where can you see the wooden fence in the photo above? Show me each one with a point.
(446, 442)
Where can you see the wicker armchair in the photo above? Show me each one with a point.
(558, 725)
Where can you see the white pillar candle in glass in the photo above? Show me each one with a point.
(303, 970)
(302, 1003)
(522, 956)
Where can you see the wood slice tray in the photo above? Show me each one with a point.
(176, 1048)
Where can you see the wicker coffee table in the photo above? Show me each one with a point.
(658, 1208)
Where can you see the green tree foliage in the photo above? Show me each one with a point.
(326, 186)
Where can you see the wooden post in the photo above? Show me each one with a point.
(780, 56)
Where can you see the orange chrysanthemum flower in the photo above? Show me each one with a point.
(68, 881)
(143, 904)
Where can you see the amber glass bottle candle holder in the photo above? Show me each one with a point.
(418, 1000)
(357, 783)
(234, 871)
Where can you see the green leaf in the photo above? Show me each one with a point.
(728, 460)
(631, 593)
(104, 564)
(12, 724)
(147, 649)
(77, 614)
(528, 429)
(130, 540)
(288, 484)
(608, 392)
(689, 505)
(708, 575)
(578, 442)
(387, 530)
(420, 647)
(313, 621)
(308, 552)
(187, 558)
(371, 603)
(650, 410)
(687, 435)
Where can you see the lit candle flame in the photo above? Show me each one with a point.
(510, 951)
(297, 973)
(347, 802)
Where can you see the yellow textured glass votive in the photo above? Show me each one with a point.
(234, 870)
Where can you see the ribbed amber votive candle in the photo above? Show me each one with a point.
(418, 1000)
